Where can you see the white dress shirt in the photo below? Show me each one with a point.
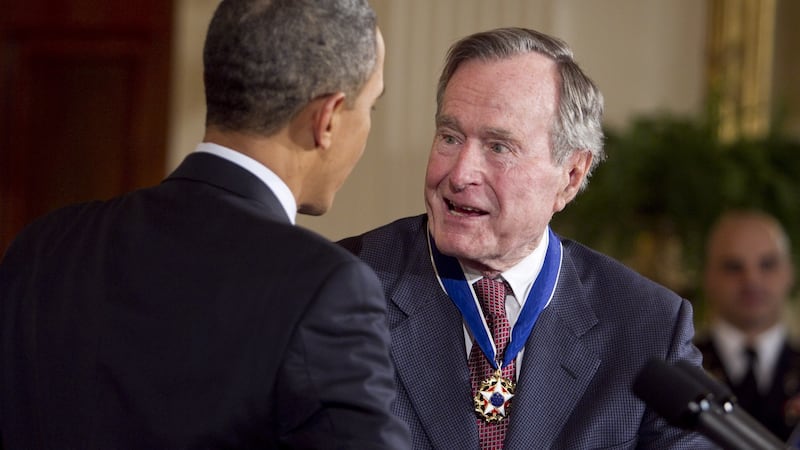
(520, 278)
(731, 343)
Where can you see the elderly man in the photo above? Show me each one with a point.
(503, 334)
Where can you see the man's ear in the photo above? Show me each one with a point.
(326, 119)
(576, 166)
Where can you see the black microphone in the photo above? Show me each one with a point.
(687, 403)
(751, 428)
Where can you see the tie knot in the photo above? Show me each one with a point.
(750, 354)
(492, 295)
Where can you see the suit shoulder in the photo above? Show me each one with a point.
(394, 249)
(617, 292)
(401, 236)
(587, 260)
(602, 271)
(46, 231)
(320, 246)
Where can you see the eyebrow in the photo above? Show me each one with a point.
(493, 132)
(498, 133)
(447, 121)
(485, 132)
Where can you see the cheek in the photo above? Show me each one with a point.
(718, 286)
(362, 130)
(779, 282)
(437, 170)
(368, 122)
(366, 126)
(358, 143)
(529, 193)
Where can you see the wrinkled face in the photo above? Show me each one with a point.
(350, 140)
(492, 186)
(748, 273)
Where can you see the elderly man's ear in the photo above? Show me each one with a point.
(575, 169)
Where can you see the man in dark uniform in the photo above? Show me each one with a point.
(748, 276)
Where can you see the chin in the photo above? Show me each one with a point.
(460, 246)
(313, 209)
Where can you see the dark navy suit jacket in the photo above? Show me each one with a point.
(191, 315)
(574, 389)
(772, 408)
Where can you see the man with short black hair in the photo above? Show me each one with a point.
(195, 314)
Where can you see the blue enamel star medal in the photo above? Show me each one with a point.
(493, 399)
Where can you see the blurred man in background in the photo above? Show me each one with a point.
(748, 277)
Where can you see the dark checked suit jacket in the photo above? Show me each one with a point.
(574, 389)
(771, 409)
(191, 315)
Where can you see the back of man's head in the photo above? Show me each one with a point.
(264, 60)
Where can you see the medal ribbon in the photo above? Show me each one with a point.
(460, 292)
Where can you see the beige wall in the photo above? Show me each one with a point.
(646, 55)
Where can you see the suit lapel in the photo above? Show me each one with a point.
(556, 367)
(432, 360)
(219, 172)
(433, 345)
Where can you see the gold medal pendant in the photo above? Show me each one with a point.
(493, 399)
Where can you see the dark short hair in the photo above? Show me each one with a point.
(578, 125)
(264, 60)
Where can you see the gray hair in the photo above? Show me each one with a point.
(264, 60)
(578, 125)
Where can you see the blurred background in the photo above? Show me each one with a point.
(99, 97)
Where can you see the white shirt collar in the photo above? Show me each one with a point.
(521, 276)
(730, 343)
(273, 181)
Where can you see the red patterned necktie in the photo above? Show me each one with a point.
(492, 296)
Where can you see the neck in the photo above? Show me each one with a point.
(274, 152)
(483, 269)
(494, 267)
(752, 334)
(752, 331)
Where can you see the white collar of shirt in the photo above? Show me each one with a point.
(730, 343)
(520, 278)
(273, 181)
